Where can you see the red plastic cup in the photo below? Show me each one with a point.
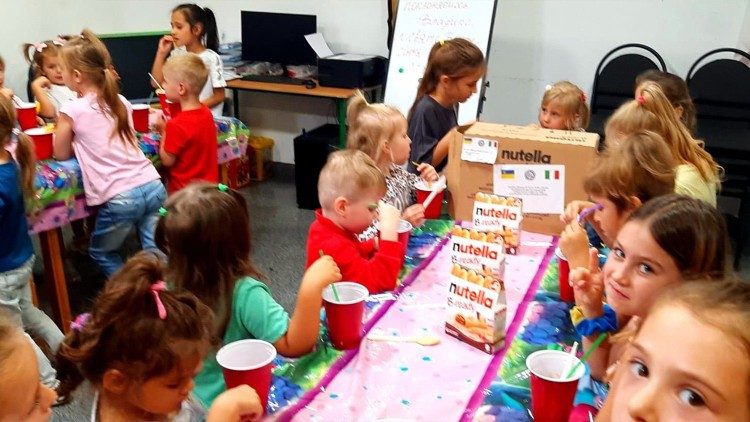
(26, 113)
(163, 101)
(174, 108)
(248, 362)
(423, 191)
(344, 316)
(140, 117)
(563, 274)
(551, 396)
(42, 139)
(404, 231)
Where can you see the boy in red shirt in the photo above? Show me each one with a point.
(188, 144)
(350, 188)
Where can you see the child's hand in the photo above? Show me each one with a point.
(588, 286)
(574, 245)
(240, 403)
(388, 221)
(322, 272)
(414, 214)
(427, 172)
(573, 209)
(42, 82)
(166, 44)
(159, 124)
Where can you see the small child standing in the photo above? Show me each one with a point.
(205, 231)
(188, 144)
(349, 188)
(453, 69)
(117, 176)
(379, 131)
(140, 348)
(689, 359)
(16, 250)
(564, 107)
(194, 31)
(48, 86)
(22, 396)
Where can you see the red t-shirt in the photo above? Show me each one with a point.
(191, 138)
(359, 262)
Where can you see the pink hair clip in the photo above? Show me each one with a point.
(640, 100)
(39, 47)
(583, 97)
(80, 321)
(58, 42)
(547, 88)
(157, 287)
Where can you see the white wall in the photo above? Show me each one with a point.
(534, 43)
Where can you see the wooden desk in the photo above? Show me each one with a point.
(339, 95)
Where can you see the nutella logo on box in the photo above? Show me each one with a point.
(476, 250)
(482, 251)
(478, 296)
(536, 156)
(501, 215)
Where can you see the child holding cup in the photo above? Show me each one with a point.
(140, 347)
(205, 231)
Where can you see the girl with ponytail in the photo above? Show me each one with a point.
(194, 30)
(117, 176)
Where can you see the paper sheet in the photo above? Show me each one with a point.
(541, 187)
(318, 43)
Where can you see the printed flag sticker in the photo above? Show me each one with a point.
(479, 150)
(541, 187)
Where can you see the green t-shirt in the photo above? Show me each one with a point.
(255, 315)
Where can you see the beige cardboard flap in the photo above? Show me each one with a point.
(530, 133)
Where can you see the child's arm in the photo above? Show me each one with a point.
(304, 325)
(39, 89)
(239, 402)
(166, 44)
(440, 152)
(414, 214)
(588, 288)
(167, 159)
(215, 99)
(574, 245)
(427, 172)
(62, 146)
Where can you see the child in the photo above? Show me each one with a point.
(188, 146)
(379, 131)
(117, 177)
(194, 31)
(669, 240)
(140, 348)
(16, 250)
(22, 396)
(697, 173)
(564, 107)
(48, 87)
(453, 69)
(676, 91)
(349, 188)
(3, 89)
(689, 360)
(205, 230)
(622, 178)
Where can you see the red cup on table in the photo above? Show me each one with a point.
(404, 231)
(26, 113)
(174, 108)
(563, 278)
(344, 316)
(552, 393)
(42, 139)
(248, 362)
(424, 189)
(140, 117)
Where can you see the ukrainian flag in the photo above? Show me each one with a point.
(507, 174)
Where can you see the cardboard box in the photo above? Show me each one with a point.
(235, 173)
(500, 215)
(518, 145)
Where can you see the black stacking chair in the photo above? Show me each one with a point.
(720, 89)
(614, 80)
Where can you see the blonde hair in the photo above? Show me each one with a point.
(348, 173)
(88, 55)
(676, 91)
(370, 125)
(25, 155)
(640, 165)
(187, 68)
(652, 111)
(455, 58)
(572, 100)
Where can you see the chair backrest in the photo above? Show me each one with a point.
(614, 80)
(721, 88)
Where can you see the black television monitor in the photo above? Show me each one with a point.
(278, 38)
(132, 55)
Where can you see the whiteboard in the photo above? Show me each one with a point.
(419, 25)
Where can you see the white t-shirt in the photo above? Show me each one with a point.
(215, 78)
(59, 95)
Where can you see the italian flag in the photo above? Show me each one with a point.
(552, 174)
